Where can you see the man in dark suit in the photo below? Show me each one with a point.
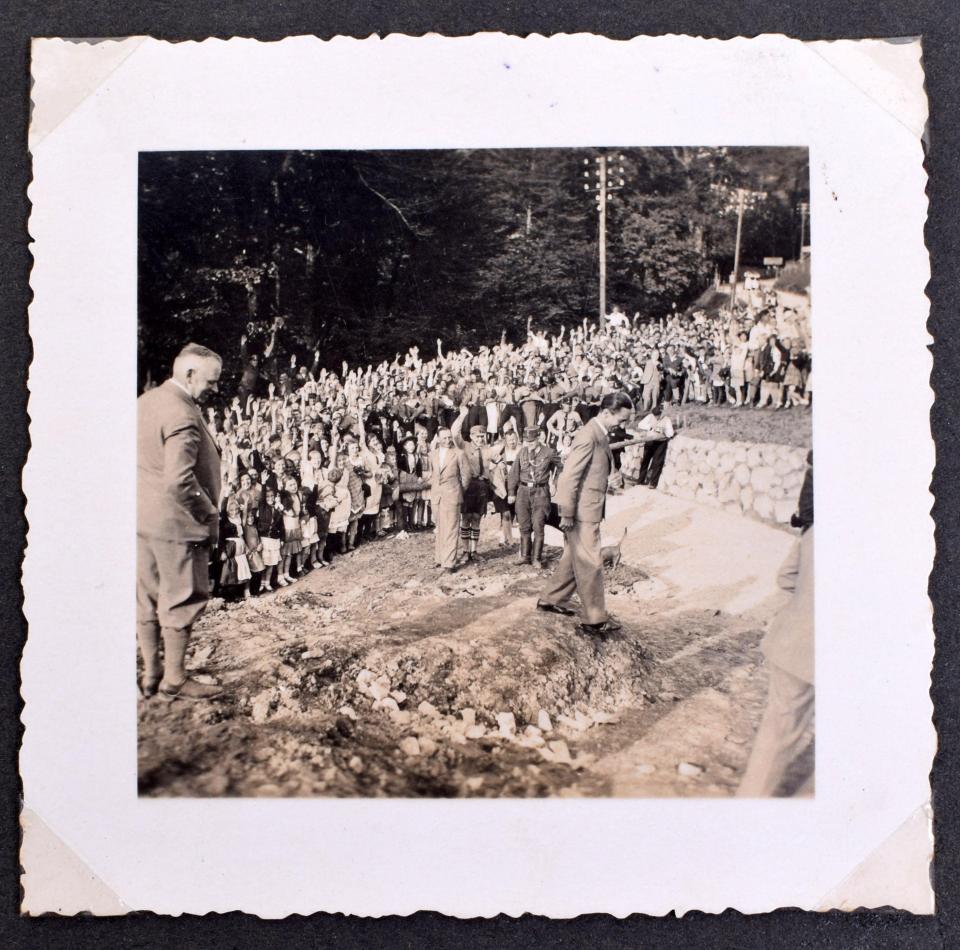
(581, 494)
(178, 497)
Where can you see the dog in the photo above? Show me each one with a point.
(610, 554)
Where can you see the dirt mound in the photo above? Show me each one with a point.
(383, 677)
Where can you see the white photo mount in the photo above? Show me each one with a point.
(864, 841)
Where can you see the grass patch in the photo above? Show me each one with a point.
(780, 426)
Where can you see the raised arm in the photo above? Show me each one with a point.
(456, 430)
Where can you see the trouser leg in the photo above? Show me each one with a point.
(148, 627)
(524, 521)
(562, 586)
(448, 527)
(175, 640)
(645, 462)
(781, 734)
(584, 542)
(148, 639)
(541, 508)
(657, 458)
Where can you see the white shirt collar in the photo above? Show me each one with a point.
(603, 428)
(182, 388)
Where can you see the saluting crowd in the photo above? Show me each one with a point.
(315, 462)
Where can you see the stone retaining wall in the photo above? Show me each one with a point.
(760, 479)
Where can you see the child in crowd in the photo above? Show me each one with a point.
(292, 535)
(234, 570)
(340, 513)
(310, 537)
(270, 531)
(251, 539)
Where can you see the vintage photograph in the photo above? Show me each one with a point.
(454, 549)
(475, 473)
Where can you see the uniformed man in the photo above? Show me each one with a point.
(528, 484)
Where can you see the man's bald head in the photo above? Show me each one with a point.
(197, 369)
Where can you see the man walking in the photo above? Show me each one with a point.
(450, 477)
(581, 492)
(178, 497)
(528, 484)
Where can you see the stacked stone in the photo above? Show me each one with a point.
(755, 478)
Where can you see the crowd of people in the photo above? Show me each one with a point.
(300, 464)
(315, 462)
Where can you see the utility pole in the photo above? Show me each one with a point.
(804, 211)
(741, 201)
(745, 199)
(605, 184)
(602, 211)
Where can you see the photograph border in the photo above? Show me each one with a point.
(942, 83)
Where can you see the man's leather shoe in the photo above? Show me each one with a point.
(600, 629)
(190, 689)
(555, 608)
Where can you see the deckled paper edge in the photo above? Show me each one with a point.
(73, 80)
(888, 71)
(56, 880)
(862, 888)
(905, 856)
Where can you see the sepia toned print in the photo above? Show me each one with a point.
(475, 473)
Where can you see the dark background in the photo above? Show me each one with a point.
(939, 24)
(365, 253)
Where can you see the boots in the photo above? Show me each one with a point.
(524, 548)
(148, 637)
(175, 683)
(538, 553)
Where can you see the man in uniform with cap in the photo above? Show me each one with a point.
(528, 484)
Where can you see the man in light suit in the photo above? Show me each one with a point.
(178, 497)
(783, 733)
(581, 493)
(450, 476)
(651, 382)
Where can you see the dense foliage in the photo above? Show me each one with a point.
(366, 253)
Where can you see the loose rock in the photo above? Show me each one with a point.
(507, 724)
(689, 770)
(410, 745)
(561, 753)
(378, 691)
